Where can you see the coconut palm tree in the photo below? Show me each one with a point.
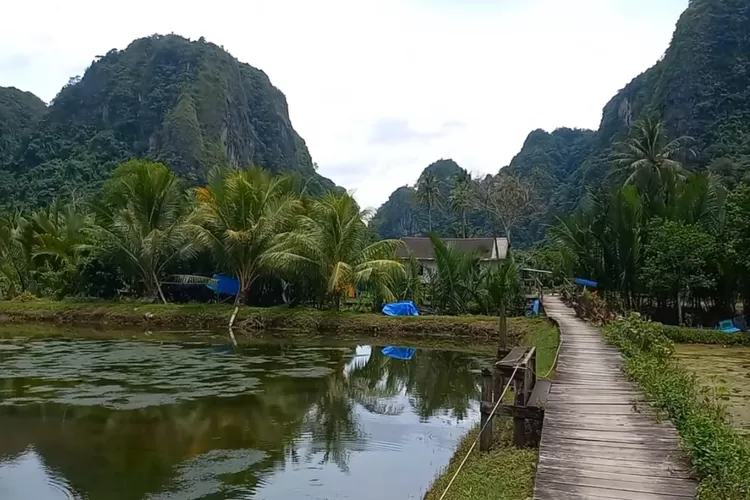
(649, 156)
(140, 222)
(330, 243)
(15, 251)
(461, 200)
(60, 230)
(239, 216)
(428, 194)
(456, 280)
(502, 285)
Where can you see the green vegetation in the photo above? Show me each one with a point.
(664, 241)
(719, 453)
(504, 473)
(19, 113)
(188, 104)
(682, 335)
(145, 230)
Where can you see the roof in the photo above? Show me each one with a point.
(421, 248)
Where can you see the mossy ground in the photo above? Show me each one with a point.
(469, 329)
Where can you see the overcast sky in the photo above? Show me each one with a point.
(379, 88)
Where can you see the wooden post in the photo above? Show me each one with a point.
(485, 438)
(519, 423)
(499, 384)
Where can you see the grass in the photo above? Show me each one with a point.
(503, 473)
(214, 316)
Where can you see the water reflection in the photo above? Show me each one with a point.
(127, 419)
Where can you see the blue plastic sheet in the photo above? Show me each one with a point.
(403, 353)
(225, 285)
(401, 309)
(534, 312)
(588, 283)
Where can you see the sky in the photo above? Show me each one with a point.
(379, 89)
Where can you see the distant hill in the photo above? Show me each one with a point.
(700, 88)
(187, 103)
(19, 112)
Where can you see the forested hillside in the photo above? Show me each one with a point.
(19, 112)
(699, 89)
(189, 104)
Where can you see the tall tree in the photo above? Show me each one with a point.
(648, 156)
(428, 194)
(508, 200)
(140, 222)
(676, 259)
(461, 201)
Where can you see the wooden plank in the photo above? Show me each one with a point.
(523, 412)
(655, 469)
(513, 358)
(673, 487)
(539, 395)
(600, 438)
(562, 491)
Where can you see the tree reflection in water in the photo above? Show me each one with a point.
(109, 452)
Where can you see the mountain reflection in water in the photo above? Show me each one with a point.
(125, 419)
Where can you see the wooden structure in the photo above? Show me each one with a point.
(516, 369)
(600, 439)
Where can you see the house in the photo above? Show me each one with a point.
(490, 250)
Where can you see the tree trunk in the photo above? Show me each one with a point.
(158, 288)
(337, 301)
(679, 309)
(429, 219)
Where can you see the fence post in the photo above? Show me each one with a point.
(485, 438)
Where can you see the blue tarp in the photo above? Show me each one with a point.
(225, 285)
(588, 283)
(534, 310)
(404, 353)
(727, 326)
(401, 309)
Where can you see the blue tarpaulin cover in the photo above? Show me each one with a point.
(534, 309)
(224, 285)
(405, 353)
(588, 283)
(401, 309)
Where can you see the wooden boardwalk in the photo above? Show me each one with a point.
(599, 438)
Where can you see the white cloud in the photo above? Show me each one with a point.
(379, 88)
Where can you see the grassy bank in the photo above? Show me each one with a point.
(215, 316)
(680, 335)
(719, 454)
(504, 473)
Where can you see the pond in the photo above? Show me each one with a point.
(120, 418)
(726, 367)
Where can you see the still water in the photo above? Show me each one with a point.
(93, 418)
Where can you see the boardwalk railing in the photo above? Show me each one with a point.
(529, 398)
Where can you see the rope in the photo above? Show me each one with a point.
(488, 422)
